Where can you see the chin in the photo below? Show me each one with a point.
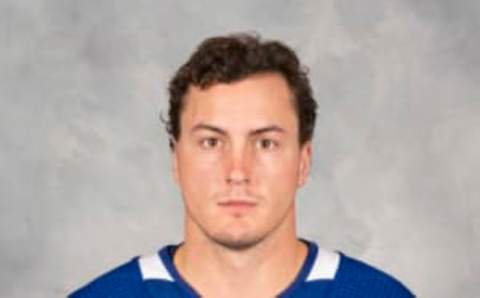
(235, 242)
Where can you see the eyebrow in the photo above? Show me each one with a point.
(213, 128)
(270, 128)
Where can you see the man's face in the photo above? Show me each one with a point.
(238, 160)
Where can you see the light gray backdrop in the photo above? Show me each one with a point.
(85, 182)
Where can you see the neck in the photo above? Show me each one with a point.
(267, 268)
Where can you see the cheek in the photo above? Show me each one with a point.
(206, 165)
(199, 174)
(278, 173)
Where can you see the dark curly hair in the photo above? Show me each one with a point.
(226, 59)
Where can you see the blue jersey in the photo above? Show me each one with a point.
(323, 274)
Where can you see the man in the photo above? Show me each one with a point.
(241, 120)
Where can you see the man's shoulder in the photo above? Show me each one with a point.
(356, 278)
(122, 281)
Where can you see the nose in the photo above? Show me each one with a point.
(238, 172)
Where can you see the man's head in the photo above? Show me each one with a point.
(241, 121)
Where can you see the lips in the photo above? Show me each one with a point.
(237, 203)
(237, 206)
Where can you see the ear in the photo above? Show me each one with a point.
(174, 163)
(305, 163)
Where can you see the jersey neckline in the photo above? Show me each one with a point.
(167, 253)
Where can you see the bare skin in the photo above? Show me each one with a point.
(239, 164)
(264, 271)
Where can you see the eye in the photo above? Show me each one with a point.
(266, 144)
(209, 143)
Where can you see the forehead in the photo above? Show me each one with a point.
(258, 100)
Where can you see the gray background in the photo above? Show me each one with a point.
(85, 182)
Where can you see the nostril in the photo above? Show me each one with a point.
(237, 180)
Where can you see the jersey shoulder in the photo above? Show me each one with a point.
(356, 279)
(121, 282)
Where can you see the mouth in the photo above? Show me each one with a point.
(237, 205)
